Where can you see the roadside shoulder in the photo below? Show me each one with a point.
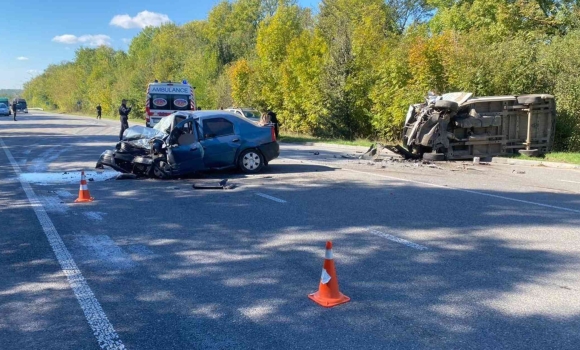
(510, 161)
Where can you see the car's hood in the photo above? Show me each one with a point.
(140, 135)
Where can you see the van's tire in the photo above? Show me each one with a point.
(447, 105)
(251, 161)
(436, 157)
(530, 100)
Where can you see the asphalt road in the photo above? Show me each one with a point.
(447, 256)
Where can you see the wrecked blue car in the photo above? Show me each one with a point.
(187, 142)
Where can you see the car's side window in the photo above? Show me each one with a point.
(186, 134)
(217, 127)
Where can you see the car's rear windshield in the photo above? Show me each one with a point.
(170, 102)
(251, 113)
(2, 105)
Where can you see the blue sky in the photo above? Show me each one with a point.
(49, 31)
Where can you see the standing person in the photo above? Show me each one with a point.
(99, 109)
(14, 105)
(124, 116)
(274, 120)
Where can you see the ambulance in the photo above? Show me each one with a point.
(166, 98)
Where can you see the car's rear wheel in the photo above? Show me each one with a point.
(251, 161)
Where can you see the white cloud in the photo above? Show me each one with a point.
(22, 58)
(142, 20)
(91, 40)
(126, 41)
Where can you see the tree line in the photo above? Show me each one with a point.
(348, 70)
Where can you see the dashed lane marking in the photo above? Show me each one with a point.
(271, 198)
(102, 328)
(397, 239)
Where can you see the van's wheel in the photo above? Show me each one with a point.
(251, 161)
(158, 171)
(448, 105)
(436, 157)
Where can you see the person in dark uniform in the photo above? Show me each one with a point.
(14, 108)
(274, 120)
(124, 116)
(99, 109)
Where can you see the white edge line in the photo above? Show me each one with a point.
(102, 328)
(398, 240)
(573, 182)
(446, 187)
(271, 197)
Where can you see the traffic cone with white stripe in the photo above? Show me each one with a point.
(328, 294)
(84, 195)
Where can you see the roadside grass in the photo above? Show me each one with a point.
(300, 138)
(560, 157)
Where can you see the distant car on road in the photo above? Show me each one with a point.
(190, 141)
(4, 110)
(250, 113)
(21, 105)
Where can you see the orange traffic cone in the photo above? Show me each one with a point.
(84, 195)
(328, 294)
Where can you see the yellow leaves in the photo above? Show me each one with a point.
(239, 74)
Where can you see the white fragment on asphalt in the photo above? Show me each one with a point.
(105, 251)
(574, 182)
(64, 194)
(103, 330)
(53, 204)
(69, 177)
(398, 240)
(94, 215)
(271, 197)
(40, 163)
(325, 277)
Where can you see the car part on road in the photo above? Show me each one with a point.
(222, 185)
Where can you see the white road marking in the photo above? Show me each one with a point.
(102, 328)
(94, 215)
(574, 182)
(69, 177)
(445, 187)
(469, 191)
(271, 198)
(398, 240)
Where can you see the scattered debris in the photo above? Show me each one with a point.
(518, 172)
(123, 176)
(91, 179)
(348, 156)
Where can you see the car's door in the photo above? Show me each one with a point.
(185, 153)
(220, 141)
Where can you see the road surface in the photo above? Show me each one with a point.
(452, 256)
